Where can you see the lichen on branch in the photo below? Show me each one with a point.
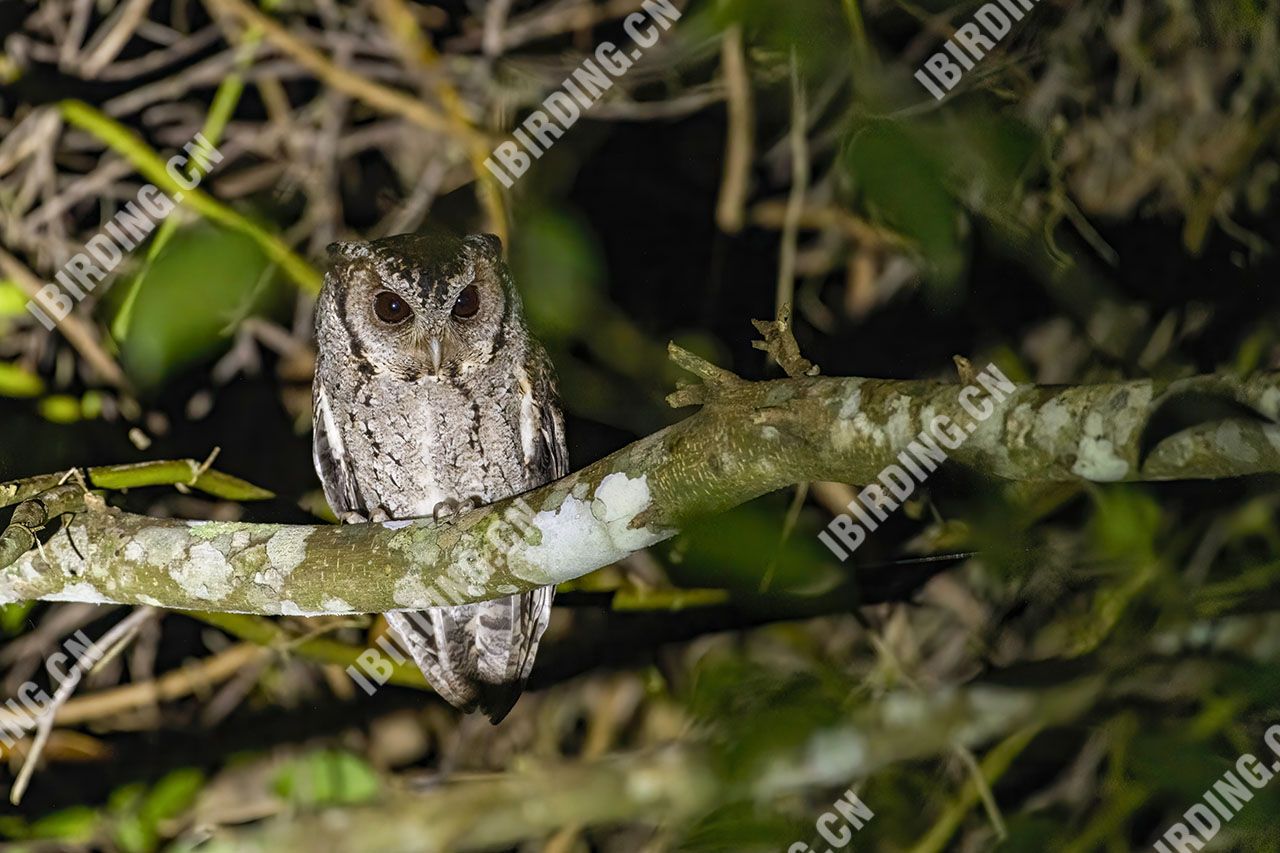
(749, 438)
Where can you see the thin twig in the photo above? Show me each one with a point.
(740, 140)
(115, 34)
(81, 336)
(799, 187)
(373, 94)
(119, 634)
(168, 687)
(414, 46)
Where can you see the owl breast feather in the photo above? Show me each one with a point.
(414, 445)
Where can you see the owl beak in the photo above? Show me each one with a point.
(434, 345)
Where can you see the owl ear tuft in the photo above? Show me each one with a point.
(490, 243)
(342, 249)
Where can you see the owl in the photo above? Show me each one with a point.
(431, 396)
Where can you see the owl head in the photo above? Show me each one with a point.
(420, 305)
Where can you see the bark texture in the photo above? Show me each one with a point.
(748, 438)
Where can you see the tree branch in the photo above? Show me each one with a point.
(749, 438)
(671, 784)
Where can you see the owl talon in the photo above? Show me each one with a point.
(449, 509)
(445, 510)
(353, 517)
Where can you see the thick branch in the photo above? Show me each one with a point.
(750, 438)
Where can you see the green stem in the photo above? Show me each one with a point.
(993, 766)
(861, 47)
(153, 167)
(264, 632)
(225, 101)
(161, 472)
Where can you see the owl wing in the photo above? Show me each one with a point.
(477, 655)
(329, 455)
(513, 627)
(546, 422)
(480, 655)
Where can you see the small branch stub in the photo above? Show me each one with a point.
(715, 380)
(780, 343)
(30, 517)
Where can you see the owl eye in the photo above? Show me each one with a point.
(390, 308)
(468, 302)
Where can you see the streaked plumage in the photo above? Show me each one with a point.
(418, 414)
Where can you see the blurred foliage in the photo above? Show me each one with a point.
(326, 777)
(560, 271)
(134, 820)
(180, 314)
(17, 381)
(917, 176)
(745, 550)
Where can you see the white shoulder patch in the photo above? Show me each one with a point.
(530, 418)
(331, 432)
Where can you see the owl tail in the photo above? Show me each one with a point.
(477, 655)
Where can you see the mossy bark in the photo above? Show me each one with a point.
(749, 438)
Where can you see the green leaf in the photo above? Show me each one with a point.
(13, 302)
(17, 381)
(923, 177)
(1172, 762)
(743, 826)
(133, 835)
(816, 30)
(74, 824)
(1027, 833)
(91, 405)
(230, 488)
(327, 777)
(137, 813)
(172, 795)
(60, 409)
(988, 154)
(904, 184)
(198, 289)
(1126, 523)
(560, 270)
(13, 617)
(126, 797)
(754, 713)
(736, 550)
